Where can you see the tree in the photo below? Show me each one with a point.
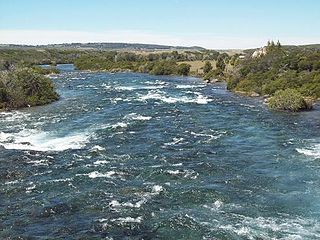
(207, 67)
(272, 44)
(278, 44)
(164, 68)
(220, 64)
(3, 93)
(289, 99)
(183, 69)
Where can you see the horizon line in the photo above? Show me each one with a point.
(157, 44)
(207, 41)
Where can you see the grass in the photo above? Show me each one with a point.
(196, 66)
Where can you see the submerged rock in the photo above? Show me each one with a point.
(61, 208)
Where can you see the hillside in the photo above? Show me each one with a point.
(288, 75)
(105, 46)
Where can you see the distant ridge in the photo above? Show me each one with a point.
(105, 46)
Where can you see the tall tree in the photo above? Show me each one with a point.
(220, 64)
(207, 67)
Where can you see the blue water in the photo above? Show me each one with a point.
(134, 156)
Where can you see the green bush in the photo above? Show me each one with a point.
(183, 69)
(281, 68)
(207, 67)
(289, 99)
(25, 87)
(164, 68)
(217, 73)
(45, 71)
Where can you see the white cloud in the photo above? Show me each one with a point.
(37, 37)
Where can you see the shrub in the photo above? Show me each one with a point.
(207, 67)
(164, 68)
(217, 73)
(183, 69)
(24, 87)
(45, 71)
(289, 99)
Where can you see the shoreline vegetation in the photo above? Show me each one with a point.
(24, 87)
(287, 78)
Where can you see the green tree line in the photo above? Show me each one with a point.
(278, 70)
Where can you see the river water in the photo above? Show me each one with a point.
(135, 156)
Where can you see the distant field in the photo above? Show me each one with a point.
(196, 66)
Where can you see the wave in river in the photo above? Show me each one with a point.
(30, 139)
(312, 151)
(199, 99)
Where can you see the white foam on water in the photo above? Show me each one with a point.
(157, 95)
(312, 151)
(77, 78)
(247, 105)
(218, 204)
(209, 137)
(97, 174)
(116, 204)
(61, 180)
(142, 118)
(4, 136)
(214, 206)
(173, 172)
(174, 141)
(289, 228)
(5, 113)
(114, 126)
(105, 86)
(135, 116)
(202, 99)
(157, 82)
(119, 125)
(42, 162)
(186, 86)
(184, 173)
(36, 140)
(32, 187)
(127, 220)
(97, 148)
(156, 189)
(108, 174)
(177, 164)
(125, 88)
(101, 162)
(13, 116)
(151, 87)
(11, 182)
(133, 88)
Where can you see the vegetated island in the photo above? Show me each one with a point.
(25, 87)
(287, 76)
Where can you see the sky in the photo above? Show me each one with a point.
(214, 24)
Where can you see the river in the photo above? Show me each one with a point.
(136, 156)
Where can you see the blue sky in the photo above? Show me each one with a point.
(209, 23)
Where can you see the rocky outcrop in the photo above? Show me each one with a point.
(260, 52)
